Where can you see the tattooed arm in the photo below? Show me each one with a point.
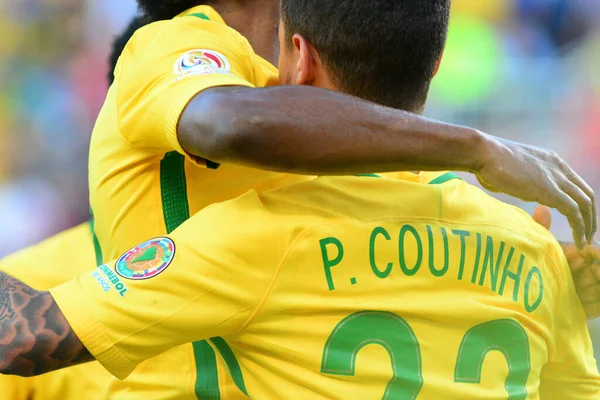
(35, 337)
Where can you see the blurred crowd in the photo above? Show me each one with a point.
(52, 85)
(521, 69)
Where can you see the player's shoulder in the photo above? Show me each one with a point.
(513, 225)
(246, 210)
(471, 202)
(187, 32)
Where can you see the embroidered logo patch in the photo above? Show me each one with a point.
(201, 62)
(146, 260)
(107, 278)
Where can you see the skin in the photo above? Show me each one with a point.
(35, 336)
(585, 266)
(311, 130)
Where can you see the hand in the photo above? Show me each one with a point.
(584, 265)
(541, 176)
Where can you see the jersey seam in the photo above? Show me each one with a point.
(118, 91)
(278, 269)
(238, 37)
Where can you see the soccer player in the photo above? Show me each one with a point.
(352, 287)
(185, 100)
(48, 264)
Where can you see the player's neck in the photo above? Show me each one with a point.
(256, 21)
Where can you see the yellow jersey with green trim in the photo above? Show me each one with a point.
(352, 288)
(52, 262)
(143, 184)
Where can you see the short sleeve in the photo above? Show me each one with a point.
(55, 260)
(164, 66)
(206, 279)
(16, 387)
(571, 372)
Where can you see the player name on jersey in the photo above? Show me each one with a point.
(417, 249)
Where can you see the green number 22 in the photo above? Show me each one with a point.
(395, 335)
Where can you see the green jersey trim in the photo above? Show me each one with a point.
(176, 211)
(199, 15)
(97, 248)
(173, 186)
(232, 364)
(207, 384)
(448, 176)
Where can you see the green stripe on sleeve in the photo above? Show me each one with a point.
(176, 211)
(173, 186)
(207, 384)
(199, 15)
(448, 176)
(231, 361)
(97, 248)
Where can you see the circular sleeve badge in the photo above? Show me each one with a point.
(146, 260)
(202, 62)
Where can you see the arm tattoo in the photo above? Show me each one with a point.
(35, 337)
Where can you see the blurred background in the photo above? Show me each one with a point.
(527, 70)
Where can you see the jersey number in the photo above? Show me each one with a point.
(396, 336)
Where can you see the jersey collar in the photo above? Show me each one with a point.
(431, 178)
(208, 11)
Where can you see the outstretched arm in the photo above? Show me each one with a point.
(307, 130)
(35, 337)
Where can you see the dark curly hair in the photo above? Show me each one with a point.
(158, 10)
(119, 44)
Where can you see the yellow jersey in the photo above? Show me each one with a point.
(52, 262)
(352, 287)
(143, 184)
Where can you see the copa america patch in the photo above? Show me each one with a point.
(201, 62)
(146, 260)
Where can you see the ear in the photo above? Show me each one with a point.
(437, 67)
(306, 68)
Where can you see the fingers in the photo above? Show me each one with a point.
(591, 295)
(543, 216)
(570, 208)
(592, 252)
(588, 286)
(588, 280)
(592, 311)
(589, 192)
(586, 207)
(577, 263)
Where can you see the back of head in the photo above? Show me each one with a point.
(385, 51)
(119, 44)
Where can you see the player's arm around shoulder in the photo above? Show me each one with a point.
(164, 66)
(571, 371)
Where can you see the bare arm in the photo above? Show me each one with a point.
(35, 337)
(307, 130)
